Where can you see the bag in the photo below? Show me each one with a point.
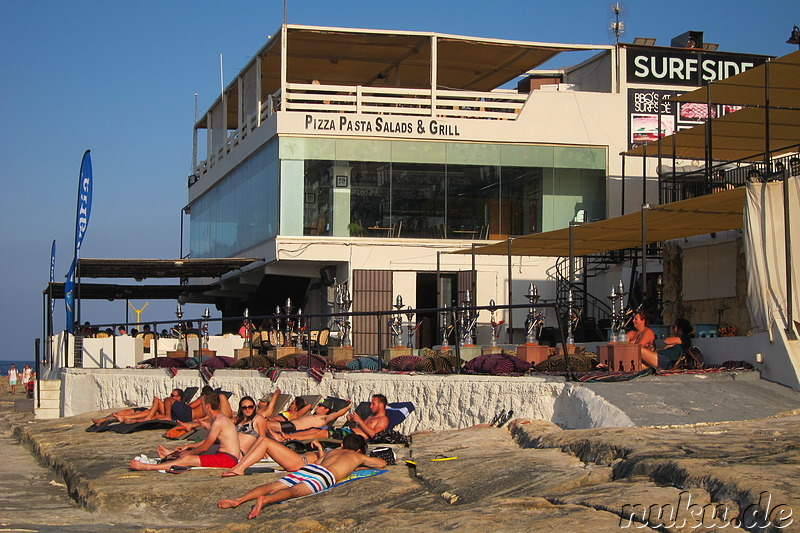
(390, 436)
(178, 432)
(691, 359)
(385, 453)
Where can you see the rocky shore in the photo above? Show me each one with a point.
(530, 476)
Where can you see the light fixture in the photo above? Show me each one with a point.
(794, 38)
(645, 41)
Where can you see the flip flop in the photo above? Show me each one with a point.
(506, 418)
(497, 417)
(95, 428)
(441, 457)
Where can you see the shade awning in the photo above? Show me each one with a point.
(160, 268)
(376, 58)
(108, 291)
(748, 87)
(697, 216)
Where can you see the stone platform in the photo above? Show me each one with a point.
(530, 476)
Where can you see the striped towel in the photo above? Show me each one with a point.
(316, 374)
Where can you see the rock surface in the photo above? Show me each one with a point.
(534, 477)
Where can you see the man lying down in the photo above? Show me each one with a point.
(332, 466)
(226, 455)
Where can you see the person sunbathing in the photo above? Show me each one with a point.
(320, 419)
(333, 467)
(198, 417)
(222, 430)
(298, 408)
(249, 424)
(266, 447)
(160, 409)
(367, 428)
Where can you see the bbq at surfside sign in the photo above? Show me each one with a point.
(691, 68)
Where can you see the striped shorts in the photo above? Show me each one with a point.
(315, 477)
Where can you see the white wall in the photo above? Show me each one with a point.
(442, 402)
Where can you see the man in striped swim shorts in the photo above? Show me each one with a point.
(334, 466)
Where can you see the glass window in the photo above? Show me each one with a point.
(418, 200)
(238, 213)
(473, 201)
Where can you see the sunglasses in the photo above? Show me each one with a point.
(248, 407)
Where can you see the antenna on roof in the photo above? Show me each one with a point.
(617, 26)
(284, 12)
(221, 77)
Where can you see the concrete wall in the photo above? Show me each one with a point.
(442, 402)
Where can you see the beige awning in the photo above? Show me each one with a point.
(696, 216)
(345, 56)
(747, 88)
(741, 135)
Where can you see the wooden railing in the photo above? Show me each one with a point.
(308, 97)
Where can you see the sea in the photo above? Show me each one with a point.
(20, 364)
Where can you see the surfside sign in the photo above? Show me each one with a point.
(691, 68)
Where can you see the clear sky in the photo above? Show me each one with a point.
(119, 78)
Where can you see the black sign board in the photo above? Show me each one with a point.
(691, 68)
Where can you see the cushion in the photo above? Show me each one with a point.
(404, 363)
(497, 364)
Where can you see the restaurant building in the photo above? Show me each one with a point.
(363, 156)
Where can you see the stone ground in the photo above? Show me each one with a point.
(532, 476)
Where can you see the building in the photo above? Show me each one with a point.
(362, 156)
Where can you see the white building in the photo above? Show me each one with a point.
(361, 154)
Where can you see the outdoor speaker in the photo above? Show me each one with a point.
(328, 275)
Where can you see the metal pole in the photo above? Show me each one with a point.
(438, 325)
(77, 317)
(658, 164)
(571, 253)
(709, 139)
(645, 207)
(45, 304)
(767, 169)
(474, 276)
(644, 174)
(622, 193)
(37, 369)
(458, 339)
(510, 328)
(154, 343)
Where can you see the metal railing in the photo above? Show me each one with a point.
(326, 319)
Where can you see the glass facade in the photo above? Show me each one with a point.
(445, 190)
(240, 211)
(407, 189)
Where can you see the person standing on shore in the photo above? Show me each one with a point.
(27, 375)
(13, 376)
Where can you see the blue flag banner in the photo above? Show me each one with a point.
(84, 201)
(52, 272)
(81, 223)
(69, 297)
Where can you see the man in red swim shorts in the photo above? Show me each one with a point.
(201, 454)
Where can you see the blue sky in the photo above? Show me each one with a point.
(119, 78)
